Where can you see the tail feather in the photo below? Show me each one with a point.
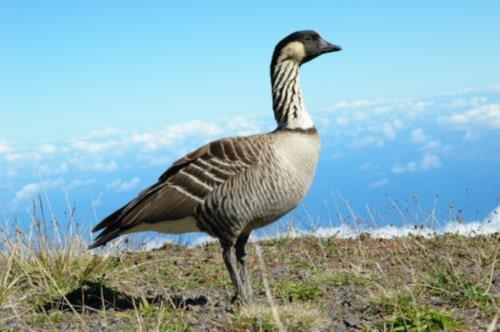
(102, 239)
(111, 228)
(108, 220)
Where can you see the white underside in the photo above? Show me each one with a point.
(179, 226)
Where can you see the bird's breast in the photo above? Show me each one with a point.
(298, 154)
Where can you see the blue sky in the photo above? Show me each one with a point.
(98, 98)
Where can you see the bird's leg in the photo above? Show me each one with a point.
(230, 261)
(241, 257)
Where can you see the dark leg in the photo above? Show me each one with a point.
(241, 257)
(229, 259)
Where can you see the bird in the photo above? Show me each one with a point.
(234, 185)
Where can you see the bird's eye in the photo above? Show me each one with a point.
(307, 38)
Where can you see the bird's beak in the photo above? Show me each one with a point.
(326, 47)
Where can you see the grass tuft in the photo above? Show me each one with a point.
(401, 313)
(294, 317)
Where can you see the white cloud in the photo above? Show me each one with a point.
(105, 132)
(432, 145)
(429, 161)
(342, 120)
(356, 104)
(30, 190)
(367, 141)
(486, 116)
(96, 147)
(424, 141)
(93, 166)
(418, 136)
(78, 183)
(398, 169)
(243, 126)
(461, 91)
(16, 157)
(380, 183)
(172, 134)
(488, 225)
(4, 147)
(107, 167)
(388, 130)
(121, 186)
(47, 148)
(381, 110)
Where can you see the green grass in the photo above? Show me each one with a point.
(401, 313)
(459, 290)
(292, 291)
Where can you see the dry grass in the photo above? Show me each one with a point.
(294, 317)
(51, 282)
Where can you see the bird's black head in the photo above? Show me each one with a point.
(302, 46)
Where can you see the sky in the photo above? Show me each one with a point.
(97, 99)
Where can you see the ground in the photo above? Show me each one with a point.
(448, 282)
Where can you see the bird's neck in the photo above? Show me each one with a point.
(288, 103)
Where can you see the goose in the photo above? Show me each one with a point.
(231, 186)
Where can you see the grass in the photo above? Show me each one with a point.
(293, 317)
(49, 281)
(402, 313)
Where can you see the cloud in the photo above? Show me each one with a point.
(342, 120)
(425, 142)
(47, 148)
(485, 117)
(356, 104)
(366, 141)
(105, 132)
(388, 130)
(418, 136)
(243, 126)
(78, 183)
(461, 91)
(95, 166)
(380, 183)
(111, 139)
(96, 147)
(172, 134)
(4, 147)
(16, 157)
(31, 189)
(121, 186)
(429, 161)
(489, 225)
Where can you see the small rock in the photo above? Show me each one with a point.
(436, 300)
(352, 321)
(340, 328)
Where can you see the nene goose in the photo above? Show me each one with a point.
(231, 186)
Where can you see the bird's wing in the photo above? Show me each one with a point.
(183, 186)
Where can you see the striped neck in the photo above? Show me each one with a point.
(289, 109)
